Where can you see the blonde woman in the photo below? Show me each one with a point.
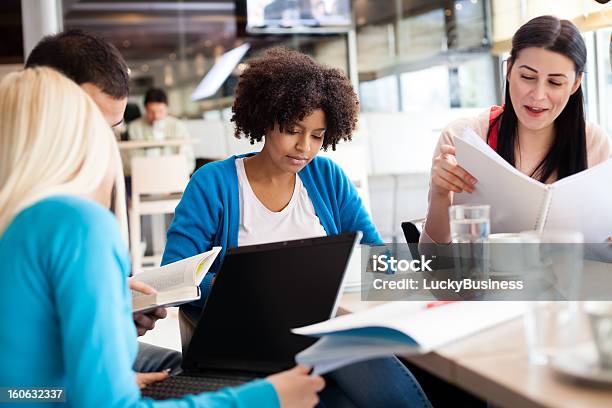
(64, 264)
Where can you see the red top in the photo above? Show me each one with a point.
(496, 111)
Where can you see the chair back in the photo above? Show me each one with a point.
(159, 175)
(412, 233)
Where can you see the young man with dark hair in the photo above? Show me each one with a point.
(91, 62)
(100, 70)
(155, 95)
(156, 124)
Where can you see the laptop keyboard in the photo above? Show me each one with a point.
(178, 386)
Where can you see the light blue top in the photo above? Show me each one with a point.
(209, 212)
(66, 316)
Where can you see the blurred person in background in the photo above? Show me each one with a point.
(156, 125)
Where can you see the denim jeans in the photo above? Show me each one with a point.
(383, 382)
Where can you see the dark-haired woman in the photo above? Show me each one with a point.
(540, 129)
(284, 192)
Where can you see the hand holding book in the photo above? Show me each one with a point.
(145, 321)
(175, 283)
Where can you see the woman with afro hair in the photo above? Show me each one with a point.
(284, 192)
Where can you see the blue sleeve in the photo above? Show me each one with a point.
(353, 215)
(195, 223)
(90, 267)
(258, 394)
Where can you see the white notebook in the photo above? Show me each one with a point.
(581, 202)
(398, 328)
(175, 283)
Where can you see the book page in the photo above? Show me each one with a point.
(204, 264)
(429, 328)
(583, 202)
(331, 353)
(186, 272)
(516, 200)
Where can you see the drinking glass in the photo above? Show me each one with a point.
(470, 226)
(552, 323)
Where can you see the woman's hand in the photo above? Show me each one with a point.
(144, 379)
(296, 388)
(447, 175)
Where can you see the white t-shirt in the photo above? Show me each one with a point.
(259, 225)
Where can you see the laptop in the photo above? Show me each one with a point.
(259, 294)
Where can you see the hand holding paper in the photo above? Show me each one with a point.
(520, 203)
(447, 175)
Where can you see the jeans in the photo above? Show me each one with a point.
(382, 382)
(152, 359)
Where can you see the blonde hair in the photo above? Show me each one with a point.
(53, 140)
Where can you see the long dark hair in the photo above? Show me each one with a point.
(567, 155)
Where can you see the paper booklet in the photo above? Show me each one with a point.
(398, 328)
(581, 202)
(176, 283)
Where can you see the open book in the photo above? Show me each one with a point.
(398, 328)
(580, 202)
(175, 283)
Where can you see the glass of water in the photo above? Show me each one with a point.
(553, 320)
(469, 223)
(470, 226)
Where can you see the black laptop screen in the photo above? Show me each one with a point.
(259, 294)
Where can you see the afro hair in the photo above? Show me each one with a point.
(283, 87)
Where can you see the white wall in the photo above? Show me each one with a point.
(217, 139)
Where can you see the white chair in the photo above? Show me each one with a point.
(157, 186)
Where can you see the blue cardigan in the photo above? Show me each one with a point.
(67, 318)
(209, 212)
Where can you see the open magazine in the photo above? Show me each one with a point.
(398, 328)
(175, 283)
(519, 203)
